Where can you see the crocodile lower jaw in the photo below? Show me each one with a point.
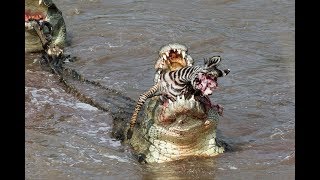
(164, 151)
(172, 110)
(185, 127)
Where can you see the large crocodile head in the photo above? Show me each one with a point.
(176, 130)
(43, 10)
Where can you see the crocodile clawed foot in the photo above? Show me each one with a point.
(54, 51)
(68, 58)
(55, 55)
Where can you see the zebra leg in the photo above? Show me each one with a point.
(142, 99)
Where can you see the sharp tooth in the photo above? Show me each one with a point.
(199, 108)
(179, 51)
(167, 53)
(191, 104)
(182, 97)
(170, 102)
(197, 104)
(179, 99)
(40, 1)
(192, 98)
(183, 54)
(164, 57)
(182, 102)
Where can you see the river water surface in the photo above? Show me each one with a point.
(117, 43)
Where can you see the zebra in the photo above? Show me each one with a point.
(188, 80)
(185, 81)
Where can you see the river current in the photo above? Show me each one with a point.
(116, 43)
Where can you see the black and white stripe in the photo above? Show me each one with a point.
(142, 99)
(181, 82)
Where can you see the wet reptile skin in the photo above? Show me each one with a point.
(159, 142)
(49, 11)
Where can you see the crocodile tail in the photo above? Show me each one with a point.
(142, 99)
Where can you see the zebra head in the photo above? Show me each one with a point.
(211, 67)
(206, 79)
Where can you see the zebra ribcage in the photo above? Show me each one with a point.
(176, 83)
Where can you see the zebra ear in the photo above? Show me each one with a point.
(211, 62)
(205, 61)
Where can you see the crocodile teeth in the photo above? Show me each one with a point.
(180, 97)
(192, 98)
(40, 1)
(179, 51)
(170, 102)
(180, 100)
(167, 53)
(183, 54)
(197, 104)
(164, 57)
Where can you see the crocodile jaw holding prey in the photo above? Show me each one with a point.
(43, 10)
(173, 130)
(172, 57)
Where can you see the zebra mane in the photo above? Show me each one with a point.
(211, 62)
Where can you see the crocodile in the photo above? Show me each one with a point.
(47, 11)
(183, 127)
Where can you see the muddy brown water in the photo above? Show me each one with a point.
(117, 43)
